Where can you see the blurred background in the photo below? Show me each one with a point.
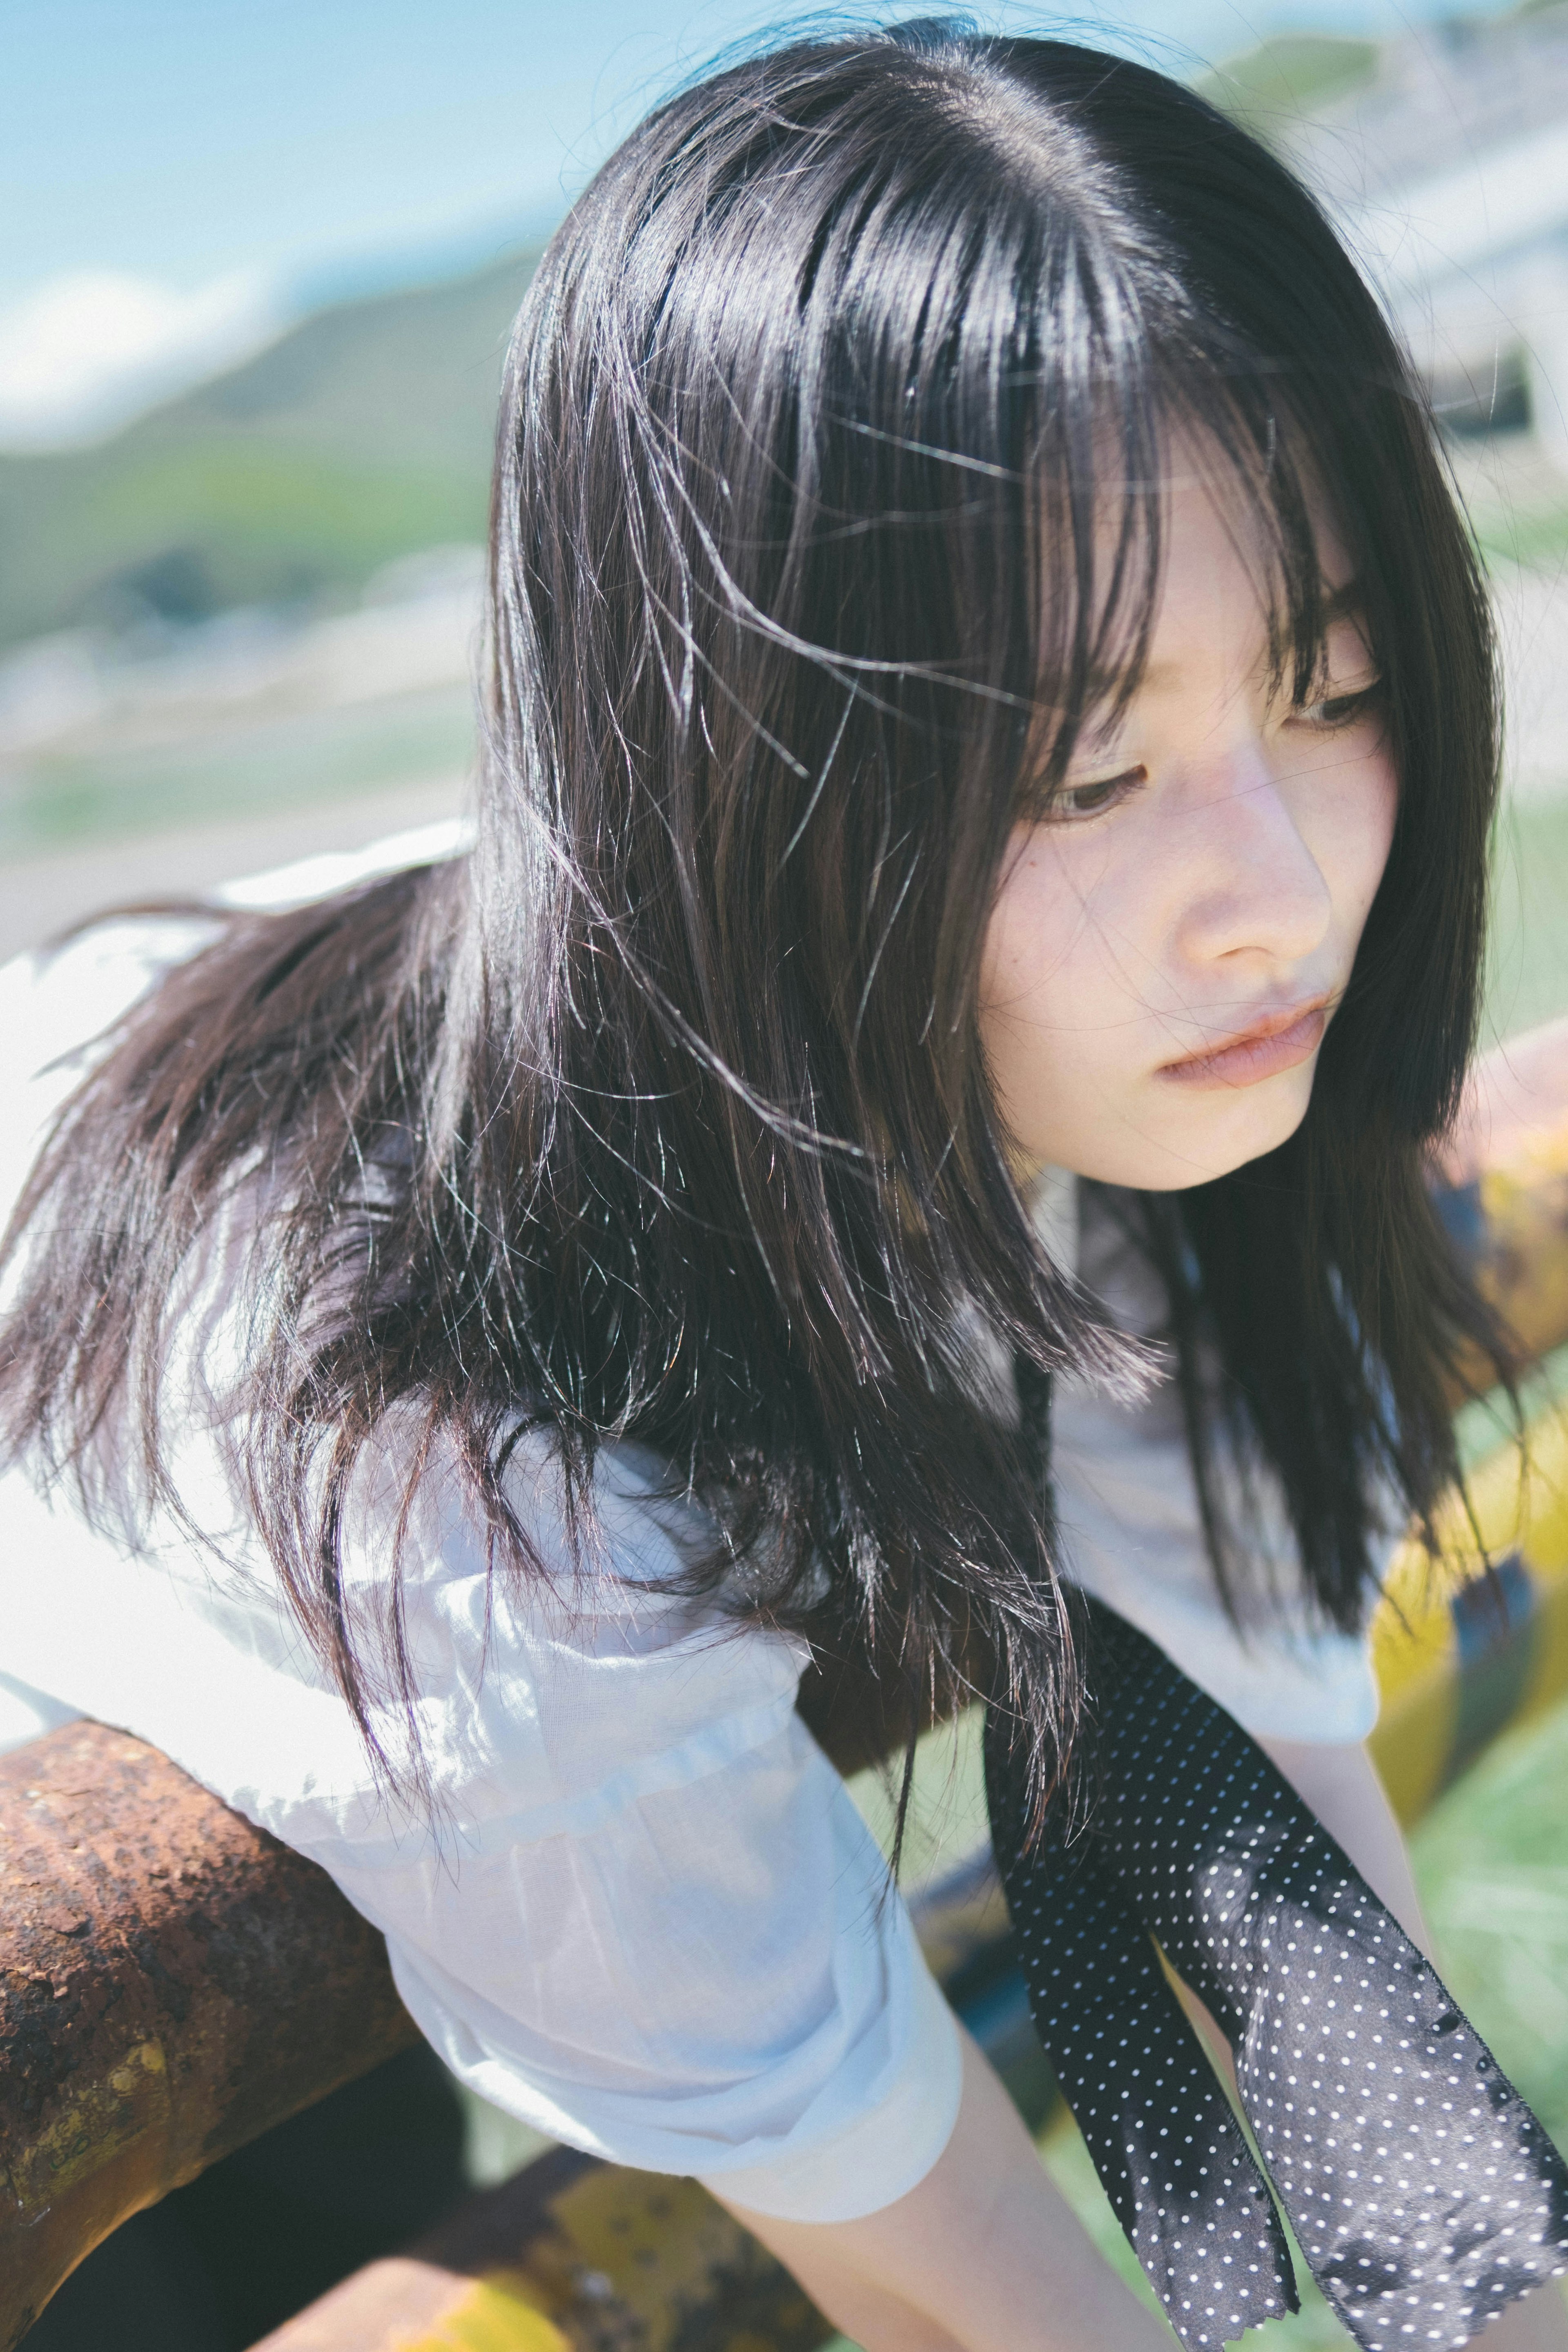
(256, 274)
(254, 291)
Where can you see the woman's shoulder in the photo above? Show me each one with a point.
(61, 995)
(587, 1653)
(544, 1695)
(75, 987)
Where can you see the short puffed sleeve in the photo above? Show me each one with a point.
(635, 1905)
(641, 1914)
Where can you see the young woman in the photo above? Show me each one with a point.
(988, 751)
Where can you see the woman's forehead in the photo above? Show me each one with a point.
(1223, 543)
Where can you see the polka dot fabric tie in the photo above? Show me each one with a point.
(1419, 2184)
(1423, 2193)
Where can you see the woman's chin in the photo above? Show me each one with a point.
(1158, 1145)
(1235, 1129)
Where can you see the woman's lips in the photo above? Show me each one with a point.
(1277, 1043)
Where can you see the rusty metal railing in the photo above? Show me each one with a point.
(173, 1983)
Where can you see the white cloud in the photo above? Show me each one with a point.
(87, 351)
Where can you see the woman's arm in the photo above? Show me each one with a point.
(1341, 1785)
(982, 2256)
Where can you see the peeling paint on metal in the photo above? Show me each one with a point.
(152, 1949)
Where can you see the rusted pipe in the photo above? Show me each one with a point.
(173, 1983)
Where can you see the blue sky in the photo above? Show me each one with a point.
(188, 138)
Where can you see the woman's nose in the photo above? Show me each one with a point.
(1256, 889)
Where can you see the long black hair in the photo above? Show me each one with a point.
(827, 499)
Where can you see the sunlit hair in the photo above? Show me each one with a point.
(829, 459)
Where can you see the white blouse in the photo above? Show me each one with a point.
(644, 1915)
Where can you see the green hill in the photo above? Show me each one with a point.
(361, 435)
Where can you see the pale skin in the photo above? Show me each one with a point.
(1168, 945)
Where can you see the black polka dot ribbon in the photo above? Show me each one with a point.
(1425, 2195)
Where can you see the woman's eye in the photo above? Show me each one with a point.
(1090, 799)
(1332, 710)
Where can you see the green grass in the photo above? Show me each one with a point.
(1492, 1860)
(189, 529)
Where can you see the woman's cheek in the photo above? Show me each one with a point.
(1053, 1008)
(1034, 946)
(1359, 836)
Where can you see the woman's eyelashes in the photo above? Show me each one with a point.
(1339, 707)
(1093, 796)
(1332, 708)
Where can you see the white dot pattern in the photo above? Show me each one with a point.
(1423, 2193)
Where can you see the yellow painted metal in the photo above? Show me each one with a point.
(1522, 1205)
(617, 2259)
(1416, 1653)
(1520, 1502)
(494, 2315)
(663, 2252)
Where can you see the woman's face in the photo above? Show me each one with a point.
(1171, 940)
